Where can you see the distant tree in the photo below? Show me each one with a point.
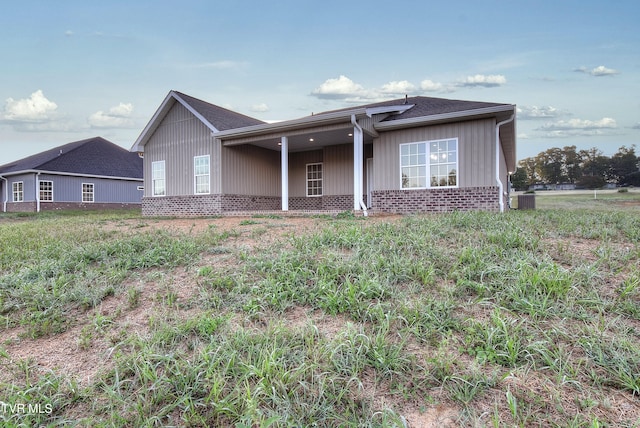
(595, 168)
(519, 179)
(529, 167)
(571, 159)
(624, 164)
(591, 181)
(550, 165)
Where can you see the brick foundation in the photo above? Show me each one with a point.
(385, 201)
(62, 206)
(328, 202)
(203, 205)
(436, 200)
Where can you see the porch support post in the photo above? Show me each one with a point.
(284, 172)
(358, 153)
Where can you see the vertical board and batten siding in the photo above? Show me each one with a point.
(476, 152)
(298, 170)
(179, 138)
(250, 170)
(28, 187)
(69, 189)
(338, 170)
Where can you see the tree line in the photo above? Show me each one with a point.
(585, 168)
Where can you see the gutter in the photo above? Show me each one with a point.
(500, 185)
(358, 153)
(6, 193)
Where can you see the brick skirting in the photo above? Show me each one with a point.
(327, 202)
(203, 205)
(436, 200)
(62, 206)
(384, 201)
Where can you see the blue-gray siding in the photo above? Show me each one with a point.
(69, 188)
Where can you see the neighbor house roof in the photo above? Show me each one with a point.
(93, 157)
(214, 117)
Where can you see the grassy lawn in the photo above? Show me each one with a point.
(528, 318)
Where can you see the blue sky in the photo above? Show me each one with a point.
(77, 69)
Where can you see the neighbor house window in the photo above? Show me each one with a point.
(201, 174)
(157, 178)
(429, 164)
(87, 192)
(46, 191)
(314, 179)
(18, 191)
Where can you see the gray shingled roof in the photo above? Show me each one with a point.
(221, 118)
(93, 156)
(424, 106)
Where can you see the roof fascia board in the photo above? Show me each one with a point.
(290, 125)
(444, 117)
(67, 174)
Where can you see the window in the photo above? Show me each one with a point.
(201, 174)
(87, 192)
(18, 191)
(157, 178)
(436, 160)
(46, 191)
(314, 179)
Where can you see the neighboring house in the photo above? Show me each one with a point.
(87, 174)
(416, 154)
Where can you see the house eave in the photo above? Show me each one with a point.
(342, 116)
(444, 117)
(69, 174)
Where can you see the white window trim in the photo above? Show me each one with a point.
(195, 176)
(93, 192)
(20, 192)
(428, 164)
(306, 173)
(40, 191)
(164, 179)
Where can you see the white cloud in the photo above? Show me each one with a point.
(37, 108)
(486, 81)
(599, 71)
(535, 112)
(431, 86)
(339, 88)
(260, 108)
(401, 87)
(117, 117)
(578, 127)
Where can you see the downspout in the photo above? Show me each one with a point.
(6, 193)
(500, 185)
(37, 192)
(358, 152)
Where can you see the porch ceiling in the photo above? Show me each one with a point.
(303, 140)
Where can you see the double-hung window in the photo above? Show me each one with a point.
(87, 192)
(46, 191)
(18, 191)
(429, 164)
(314, 179)
(202, 174)
(157, 178)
